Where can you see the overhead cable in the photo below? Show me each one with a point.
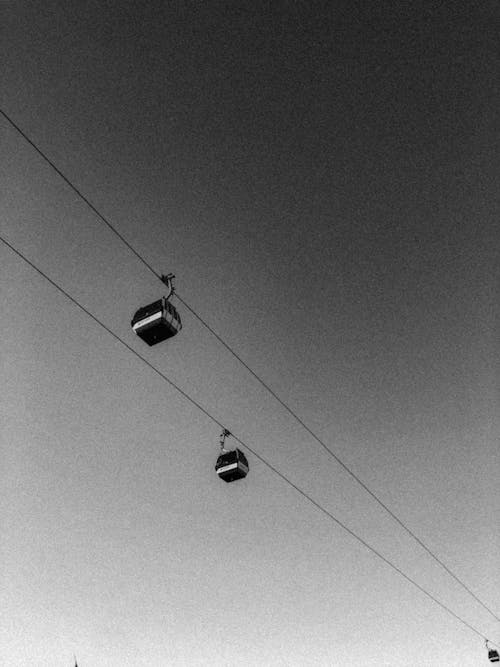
(246, 446)
(291, 412)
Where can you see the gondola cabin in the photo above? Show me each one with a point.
(232, 465)
(493, 655)
(156, 322)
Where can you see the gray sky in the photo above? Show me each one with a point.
(323, 180)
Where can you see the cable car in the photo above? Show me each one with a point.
(159, 320)
(493, 655)
(231, 464)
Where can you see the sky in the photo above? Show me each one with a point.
(323, 180)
